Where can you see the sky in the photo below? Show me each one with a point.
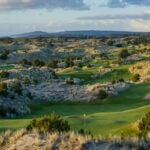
(21, 16)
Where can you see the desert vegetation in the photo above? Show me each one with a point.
(97, 87)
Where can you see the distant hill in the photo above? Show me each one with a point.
(72, 34)
(31, 34)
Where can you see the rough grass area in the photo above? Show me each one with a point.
(113, 115)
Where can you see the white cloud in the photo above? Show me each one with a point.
(140, 25)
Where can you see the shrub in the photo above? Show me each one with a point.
(1, 111)
(38, 63)
(29, 95)
(26, 81)
(89, 65)
(52, 123)
(144, 124)
(24, 62)
(4, 74)
(69, 62)
(78, 64)
(17, 87)
(121, 80)
(3, 89)
(52, 64)
(135, 77)
(70, 81)
(4, 54)
(110, 42)
(35, 81)
(81, 131)
(124, 53)
(119, 45)
(102, 94)
(113, 81)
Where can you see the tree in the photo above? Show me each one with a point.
(124, 53)
(26, 81)
(35, 81)
(17, 87)
(110, 42)
(52, 123)
(4, 74)
(38, 63)
(4, 54)
(1, 111)
(102, 94)
(3, 89)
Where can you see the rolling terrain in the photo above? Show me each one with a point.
(113, 116)
(70, 90)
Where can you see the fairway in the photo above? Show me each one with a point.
(85, 75)
(102, 118)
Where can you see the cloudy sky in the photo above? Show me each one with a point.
(19, 16)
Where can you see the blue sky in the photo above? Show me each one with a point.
(19, 16)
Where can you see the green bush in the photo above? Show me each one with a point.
(89, 65)
(69, 62)
(78, 64)
(135, 77)
(124, 53)
(35, 81)
(2, 111)
(4, 54)
(144, 124)
(102, 94)
(38, 63)
(26, 81)
(110, 42)
(121, 80)
(17, 87)
(29, 95)
(70, 81)
(113, 81)
(3, 89)
(52, 64)
(4, 74)
(24, 62)
(52, 123)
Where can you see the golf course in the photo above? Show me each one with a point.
(114, 115)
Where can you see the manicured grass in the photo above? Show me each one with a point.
(81, 74)
(119, 72)
(102, 117)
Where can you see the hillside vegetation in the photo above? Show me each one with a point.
(99, 85)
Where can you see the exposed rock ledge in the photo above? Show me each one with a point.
(60, 91)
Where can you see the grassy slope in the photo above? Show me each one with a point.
(103, 118)
(119, 72)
